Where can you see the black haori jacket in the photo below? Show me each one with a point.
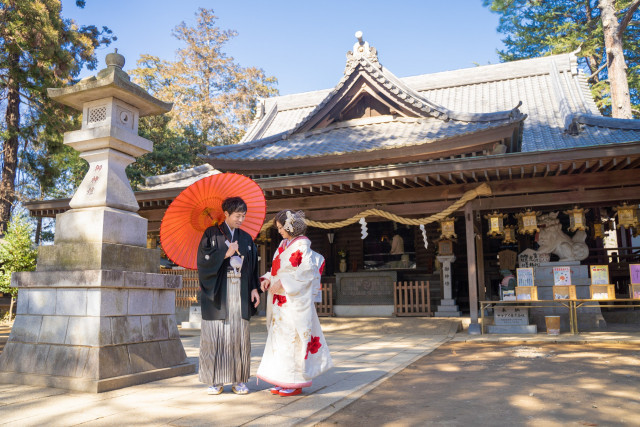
(212, 272)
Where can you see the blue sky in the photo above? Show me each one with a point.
(303, 43)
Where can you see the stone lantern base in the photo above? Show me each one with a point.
(95, 329)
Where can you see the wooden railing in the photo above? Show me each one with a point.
(188, 294)
(325, 308)
(412, 299)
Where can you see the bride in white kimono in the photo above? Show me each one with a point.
(296, 351)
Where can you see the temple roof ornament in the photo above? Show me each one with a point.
(361, 50)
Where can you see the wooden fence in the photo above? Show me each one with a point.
(189, 293)
(190, 287)
(325, 308)
(412, 299)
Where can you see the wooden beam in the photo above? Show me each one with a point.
(613, 179)
(623, 164)
(480, 164)
(565, 198)
(420, 182)
(612, 164)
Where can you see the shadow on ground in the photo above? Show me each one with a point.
(462, 384)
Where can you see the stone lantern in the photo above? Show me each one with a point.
(96, 314)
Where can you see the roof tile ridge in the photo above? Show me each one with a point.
(407, 144)
(595, 120)
(260, 125)
(566, 116)
(246, 145)
(150, 181)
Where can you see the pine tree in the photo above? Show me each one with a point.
(38, 49)
(606, 33)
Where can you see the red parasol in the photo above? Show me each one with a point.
(199, 206)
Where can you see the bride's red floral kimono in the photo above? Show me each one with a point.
(296, 351)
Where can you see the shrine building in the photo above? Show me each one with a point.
(495, 139)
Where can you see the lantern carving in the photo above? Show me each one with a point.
(627, 215)
(496, 224)
(445, 247)
(509, 234)
(577, 219)
(447, 229)
(528, 222)
(598, 230)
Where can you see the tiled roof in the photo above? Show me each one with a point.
(367, 135)
(180, 179)
(554, 96)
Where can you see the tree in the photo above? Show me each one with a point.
(212, 95)
(173, 150)
(606, 32)
(38, 49)
(613, 41)
(17, 253)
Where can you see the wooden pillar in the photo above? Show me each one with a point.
(474, 327)
(482, 289)
(262, 253)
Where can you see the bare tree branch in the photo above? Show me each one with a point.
(627, 17)
(596, 72)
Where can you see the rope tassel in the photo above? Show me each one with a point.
(363, 230)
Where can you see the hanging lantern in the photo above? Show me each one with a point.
(496, 224)
(447, 229)
(577, 219)
(598, 230)
(445, 247)
(509, 234)
(528, 222)
(627, 215)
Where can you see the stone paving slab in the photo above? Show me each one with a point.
(365, 352)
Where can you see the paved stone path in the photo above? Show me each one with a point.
(365, 353)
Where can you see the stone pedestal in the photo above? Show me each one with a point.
(511, 320)
(588, 317)
(365, 293)
(448, 306)
(96, 314)
(93, 330)
(195, 318)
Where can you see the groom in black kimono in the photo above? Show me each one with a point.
(229, 299)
